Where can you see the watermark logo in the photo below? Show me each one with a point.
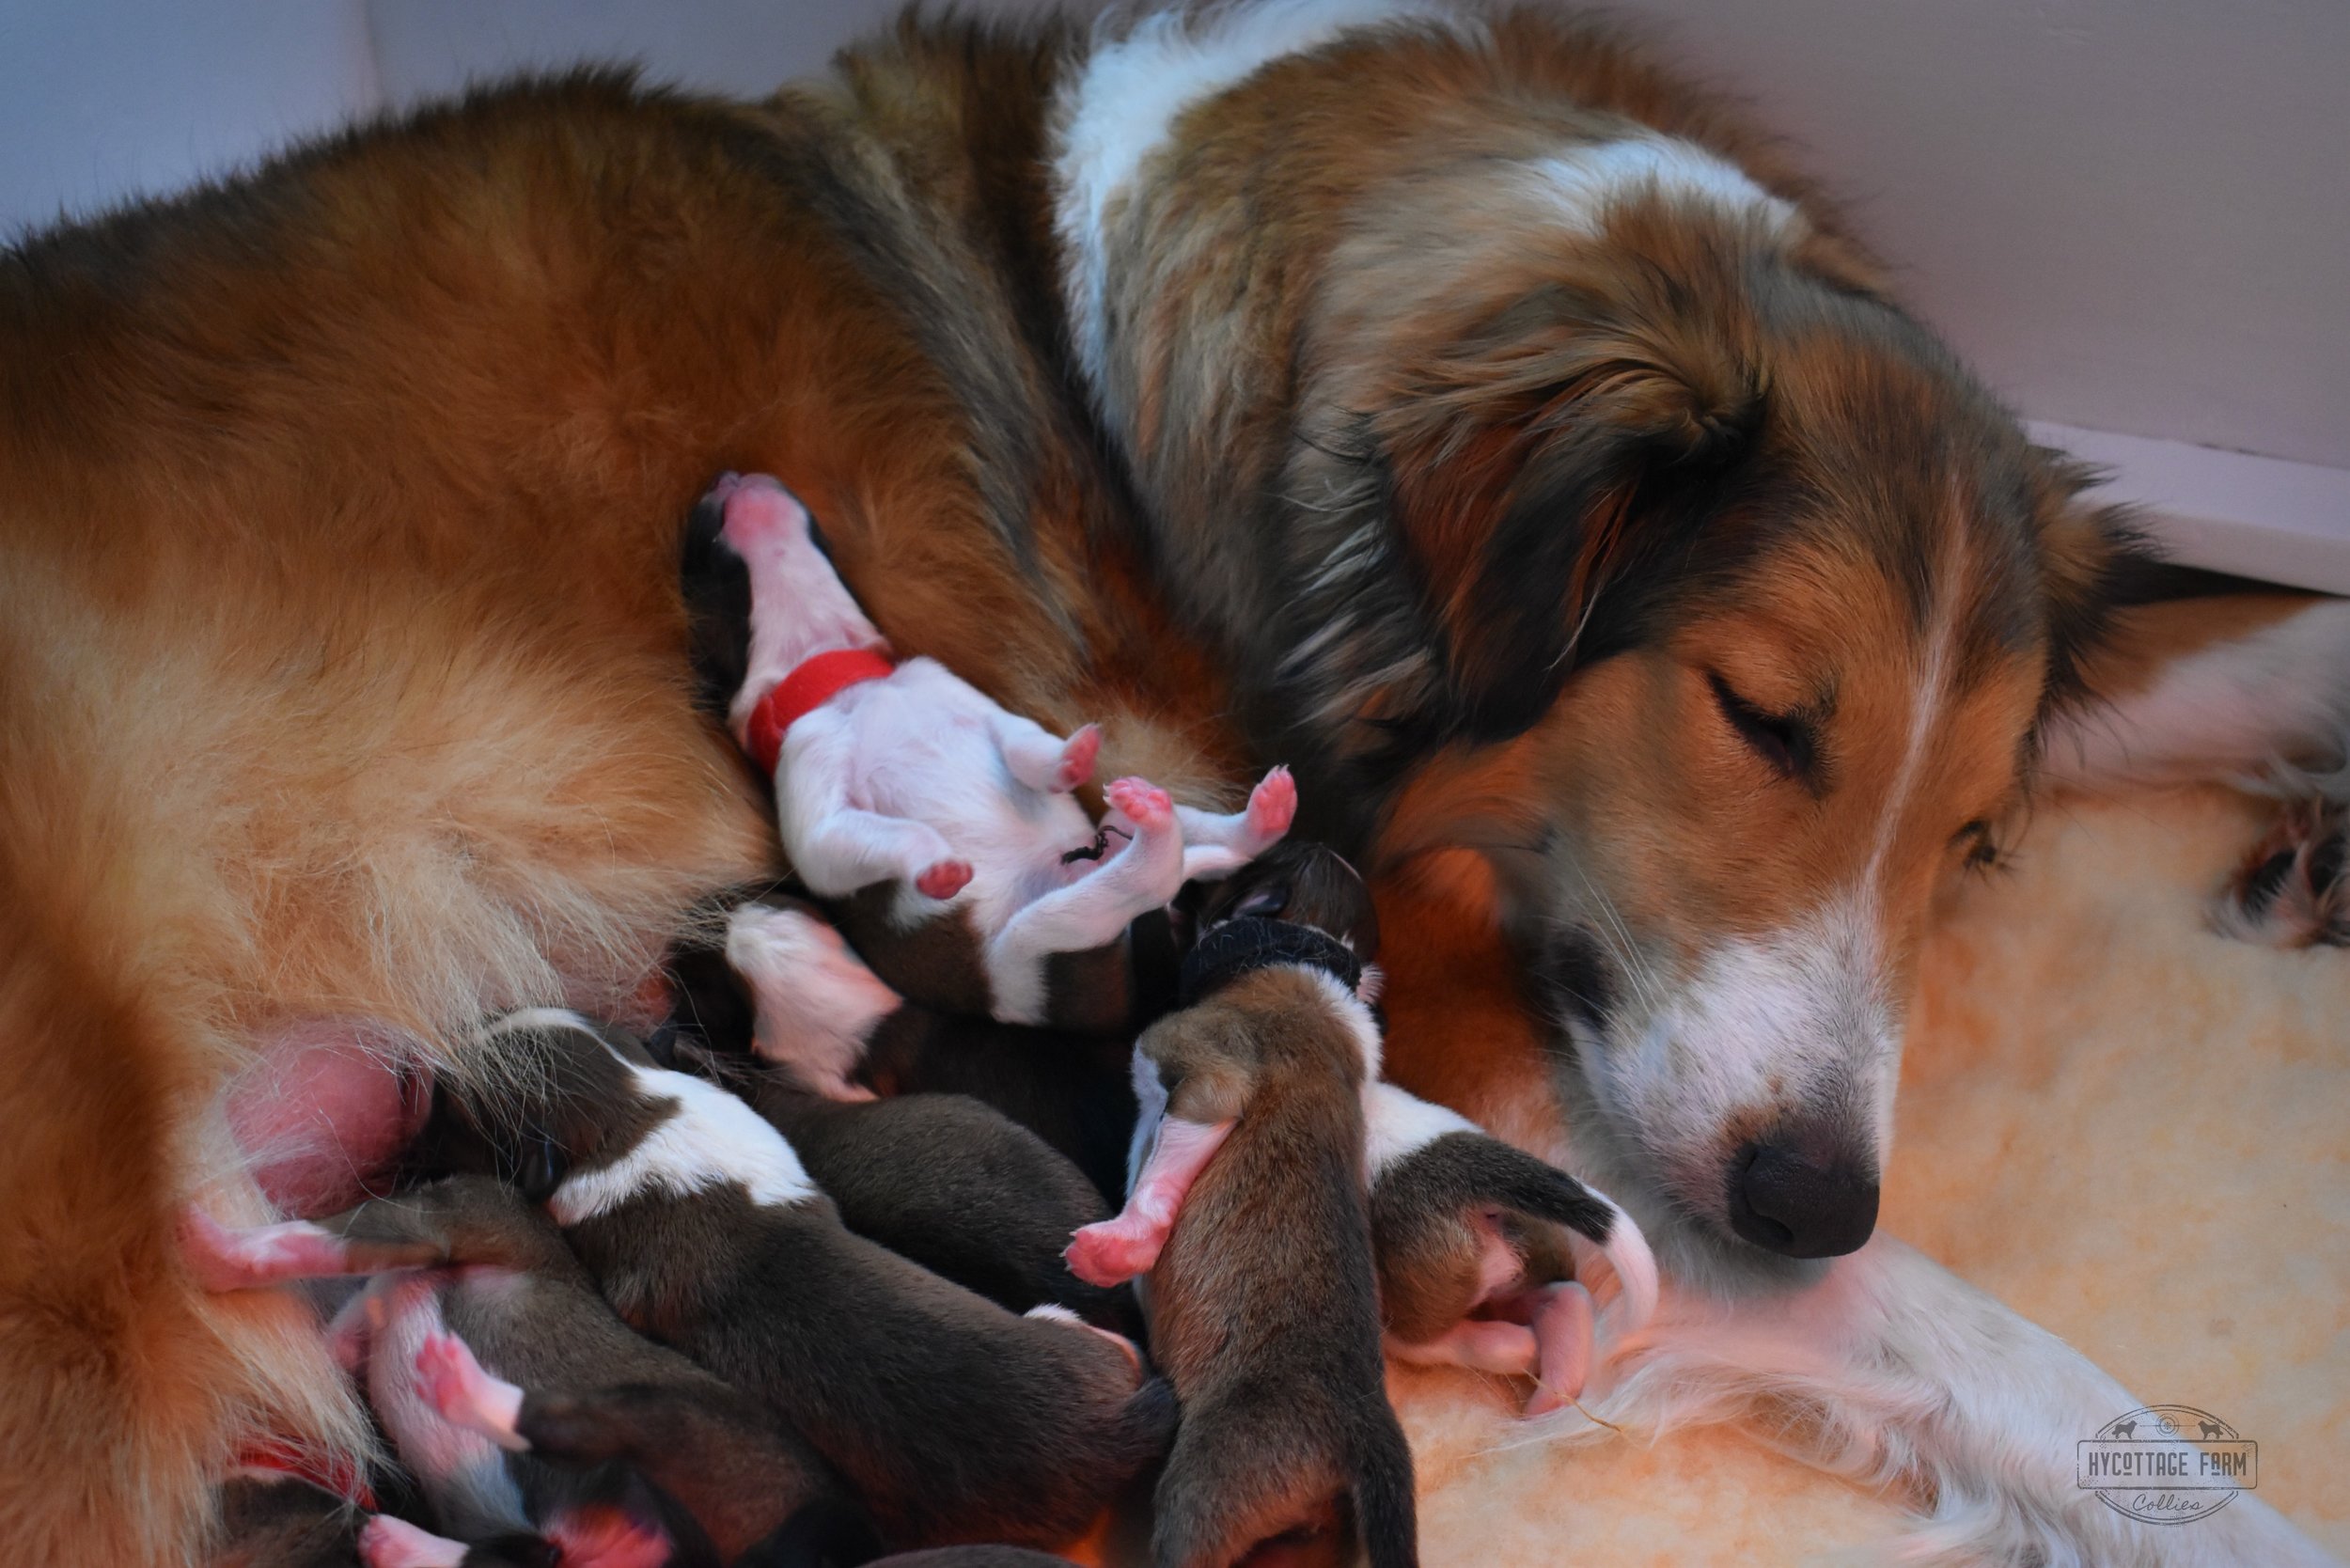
(2169, 1464)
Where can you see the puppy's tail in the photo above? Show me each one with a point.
(1144, 1430)
(1468, 1167)
(1246, 1471)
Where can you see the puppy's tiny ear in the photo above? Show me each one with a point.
(1532, 461)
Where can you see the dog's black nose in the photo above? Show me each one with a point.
(1789, 1193)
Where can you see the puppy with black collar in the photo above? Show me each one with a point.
(954, 1418)
(1264, 1297)
(944, 825)
(725, 1472)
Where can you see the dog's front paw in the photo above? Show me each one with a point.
(1144, 803)
(1272, 807)
(2292, 892)
(943, 879)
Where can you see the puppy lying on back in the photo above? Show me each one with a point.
(954, 1418)
(499, 1276)
(902, 785)
(1263, 1299)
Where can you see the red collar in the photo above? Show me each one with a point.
(812, 682)
(329, 1470)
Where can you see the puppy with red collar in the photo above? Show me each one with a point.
(704, 1472)
(954, 1418)
(947, 823)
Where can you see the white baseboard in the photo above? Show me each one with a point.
(2228, 512)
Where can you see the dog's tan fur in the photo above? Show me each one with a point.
(344, 672)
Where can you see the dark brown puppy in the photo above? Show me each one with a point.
(1263, 1299)
(510, 1287)
(955, 1419)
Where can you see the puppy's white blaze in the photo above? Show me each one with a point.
(537, 1018)
(1397, 1122)
(711, 1139)
(817, 1001)
(2281, 692)
(1350, 1011)
(1122, 104)
(1585, 182)
(1054, 1313)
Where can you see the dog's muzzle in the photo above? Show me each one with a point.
(1795, 1191)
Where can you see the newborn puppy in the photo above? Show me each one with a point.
(795, 993)
(1262, 1295)
(1461, 1279)
(905, 784)
(954, 1418)
(503, 1278)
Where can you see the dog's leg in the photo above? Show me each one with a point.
(1092, 911)
(466, 1394)
(2209, 689)
(1891, 1370)
(1112, 1251)
(1217, 844)
(837, 847)
(1041, 759)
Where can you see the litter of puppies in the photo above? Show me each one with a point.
(826, 1265)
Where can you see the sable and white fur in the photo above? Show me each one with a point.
(954, 1418)
(918, 780)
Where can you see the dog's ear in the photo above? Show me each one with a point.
(2093, 561)
(1535, 456)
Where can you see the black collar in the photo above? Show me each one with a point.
(1237, 947)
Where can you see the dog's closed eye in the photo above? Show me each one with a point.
(1785, 741)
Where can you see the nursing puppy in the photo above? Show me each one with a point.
(789, 986)
(501, 1278)
(1264, 1297)
(899, 785)
(274, 1520)
(1465, 1274)
(954, 1418)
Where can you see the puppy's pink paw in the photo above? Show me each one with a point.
(943, 879)
(1105, 1255)
(1272, 807)
(1144, 803)
(1076, 759)
(457, 1386)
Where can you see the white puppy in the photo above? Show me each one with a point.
(904, 774)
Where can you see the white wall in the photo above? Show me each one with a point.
(2132, 216)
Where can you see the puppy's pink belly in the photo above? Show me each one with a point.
(325, 1113)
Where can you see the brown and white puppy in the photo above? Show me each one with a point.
(904, 783)
(947, 1182)
(498, 1276)
(791, 989)
(1264, 1297)
(954, 1418)
(274, 1520)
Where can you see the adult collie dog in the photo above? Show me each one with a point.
(1455, 406)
